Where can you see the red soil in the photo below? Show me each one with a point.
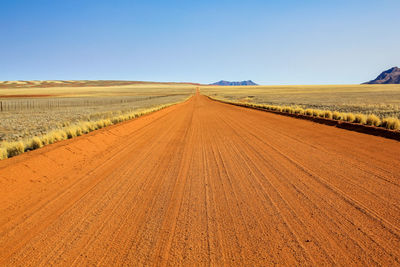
(204, 183)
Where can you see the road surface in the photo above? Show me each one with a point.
(204, 183)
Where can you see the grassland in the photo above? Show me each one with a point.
(380, 100)
(34, 113)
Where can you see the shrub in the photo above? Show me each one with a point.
(299, 111)
(91, 126)
(15, 148)
(328, 114)
(309, 112)
(57, 135)
(315, 112)
(35, 143)
(373, 120)
(360, 118)
(99, 124)
(107, 122)
(337, 115)
(70, 131)
(3, 153)
(350, 117)
(394, 124)
(391, 123)
(47, 139)
(85, 127)
(287, 109)
(78, 130)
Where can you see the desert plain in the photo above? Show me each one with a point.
(200, 182)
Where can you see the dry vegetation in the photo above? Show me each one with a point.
(372, 120)
(381, 100)
(377, 105)
(33, 117)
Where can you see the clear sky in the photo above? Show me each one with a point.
(270, 42)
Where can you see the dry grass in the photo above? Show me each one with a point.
(3, 153)
(391, 123)
(328, 114)
(28, 123)
(360, 118)
(23, 117)
(309, 112)
(33, 143)
(381, 100)
(337, 115)
(350, 117)
(14, 148)
(376, 105)
(373, 120)
(11, 149)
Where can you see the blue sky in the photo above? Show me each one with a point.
(270, 42)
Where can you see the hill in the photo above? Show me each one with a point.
(80, 83)
(228, 83)
(390, 76)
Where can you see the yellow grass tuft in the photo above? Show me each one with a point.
(373, 120)
(299, 111)
(391, 123)
(45, 139)
(328, 114)
(70, 131)
(337, 115)
(3, 153)
(33, 143)
(360, 118)
(309, 112)
(14, 148)
(350, 117)
(56, 135)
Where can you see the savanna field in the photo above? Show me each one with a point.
(376, 105)
(36, 113)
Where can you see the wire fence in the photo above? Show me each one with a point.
(7, 105)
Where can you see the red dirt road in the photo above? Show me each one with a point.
(204, 183)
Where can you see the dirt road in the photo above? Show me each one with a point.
(204, 183)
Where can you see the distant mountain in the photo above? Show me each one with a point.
(388, 76)
(249, 82)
